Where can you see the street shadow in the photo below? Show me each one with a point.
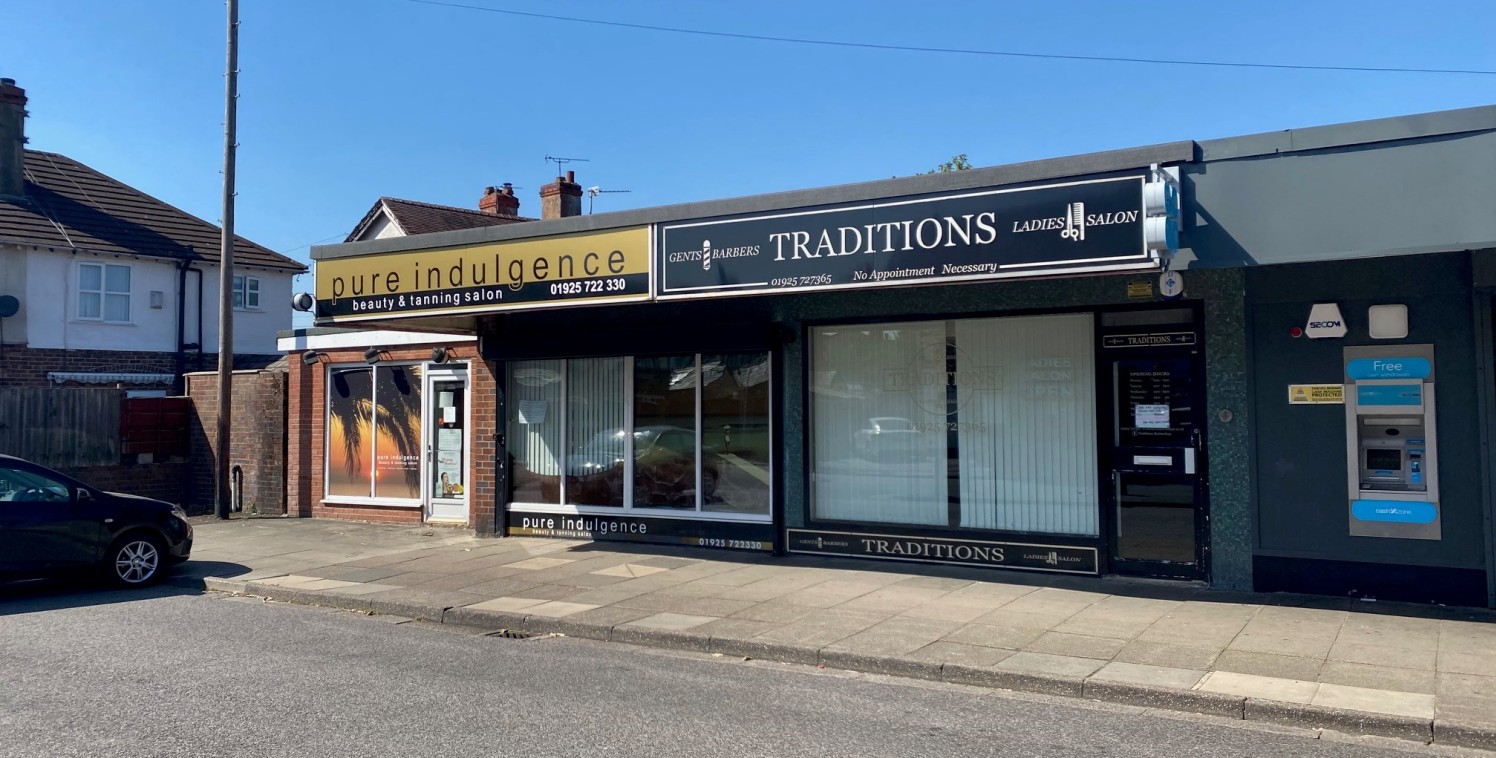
(79, 591)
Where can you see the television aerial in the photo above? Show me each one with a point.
(593, 192)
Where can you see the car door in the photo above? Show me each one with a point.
(41, 523)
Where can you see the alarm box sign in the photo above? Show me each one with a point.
(971, 235)
(594, 267)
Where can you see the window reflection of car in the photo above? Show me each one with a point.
(887, 437)
(664, 469)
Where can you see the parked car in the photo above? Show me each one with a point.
(664, 469)
(51, 523)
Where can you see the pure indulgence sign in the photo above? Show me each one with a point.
(1075, 227)
(527, 273)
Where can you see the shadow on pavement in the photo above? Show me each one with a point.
(34, 595)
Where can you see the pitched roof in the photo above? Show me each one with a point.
(423, 218)
(68, 204)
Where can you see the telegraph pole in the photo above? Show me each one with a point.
(226, 271)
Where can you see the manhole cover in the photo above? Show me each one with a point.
(512, 634)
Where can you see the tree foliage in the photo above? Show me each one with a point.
(956, 163)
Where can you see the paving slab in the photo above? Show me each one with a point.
(1045, 663)
(1268, 664)
(942, 652)
(557, 609)
(1167, 654)
(506, 604)
(1378, 677)
(1411, 704)
(672, 621)
(1009, 637)
(1153, 676)
(894, 637)
(1260, 687)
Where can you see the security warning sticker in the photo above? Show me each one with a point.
(1316, 394)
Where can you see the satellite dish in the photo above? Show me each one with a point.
(9, 306)
(302, 301)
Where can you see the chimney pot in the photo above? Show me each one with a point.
(498, 203)
(571, 176)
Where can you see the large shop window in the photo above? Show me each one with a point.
(683, 434)
(971, 424)
(374, 432)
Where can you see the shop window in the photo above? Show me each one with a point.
(971, 424)
(686, 434)
(374, 432)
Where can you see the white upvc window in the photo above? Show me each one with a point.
(104, 292)
(246, 293)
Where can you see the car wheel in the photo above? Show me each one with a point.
(134, 561)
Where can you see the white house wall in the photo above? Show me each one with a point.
(13, 282)
(50, 306)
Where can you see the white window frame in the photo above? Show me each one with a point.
(370, 499)
(696, 514)
(104, 293)
(243, 290)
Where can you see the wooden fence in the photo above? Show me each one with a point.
(61, 426)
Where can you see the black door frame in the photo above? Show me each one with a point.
(1109, 471)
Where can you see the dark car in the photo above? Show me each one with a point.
(51, 523)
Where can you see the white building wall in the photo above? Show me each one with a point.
(13, 283)
(51, 307)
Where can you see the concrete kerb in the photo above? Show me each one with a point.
(1463, 735)
(1165, 698)
(1340, 720)
(1436, 731)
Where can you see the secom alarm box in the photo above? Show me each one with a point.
(1391, 445)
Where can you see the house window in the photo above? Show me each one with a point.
(246, 292)
(104, 292)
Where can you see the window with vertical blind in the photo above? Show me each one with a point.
(686, 435)
(971, 424)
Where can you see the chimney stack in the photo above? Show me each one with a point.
(12, 138)
(499, 201)
(561, 198)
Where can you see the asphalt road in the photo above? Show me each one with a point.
(170, 672)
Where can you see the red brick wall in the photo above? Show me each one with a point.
(258, 428)
(307, 440)
(28, 367)
(166, 480)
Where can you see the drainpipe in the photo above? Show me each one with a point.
(179, 382)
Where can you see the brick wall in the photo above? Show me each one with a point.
(166, 480)
(28, 367)
(258, 432)
(307, 439)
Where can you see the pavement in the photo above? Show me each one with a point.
(1425, 673)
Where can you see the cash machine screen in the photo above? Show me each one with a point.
(1384, 460)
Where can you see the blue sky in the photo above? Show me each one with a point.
(342, 101)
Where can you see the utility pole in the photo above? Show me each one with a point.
(226, 271)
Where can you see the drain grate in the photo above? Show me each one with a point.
(513, 634)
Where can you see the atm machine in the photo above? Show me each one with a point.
(1391, 442)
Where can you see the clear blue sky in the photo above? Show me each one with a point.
(344, 101)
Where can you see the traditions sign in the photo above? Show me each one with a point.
(963, 552)
(591, 267)
(1076, 227)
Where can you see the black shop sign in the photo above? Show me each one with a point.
(974, 235)
(1064, 559)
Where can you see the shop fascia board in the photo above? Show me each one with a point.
(332, 339)
(1130, 159)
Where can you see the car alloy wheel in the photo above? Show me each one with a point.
(136, 562)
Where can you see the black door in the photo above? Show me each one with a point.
(1157, 519)
(41, 523)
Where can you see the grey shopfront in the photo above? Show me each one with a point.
(782, 391)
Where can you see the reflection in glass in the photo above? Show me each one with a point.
(735, 433)
(350, 417)
(448, 414)
(535, 431)
(397, 421)
(878, 426)
(665, 432)
(1155, 520)
(595, 436)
